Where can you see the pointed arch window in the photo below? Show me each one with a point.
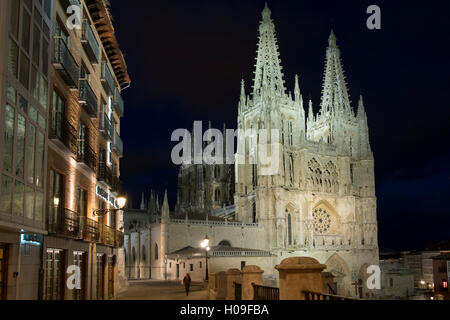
(156, 252)
(289, 225)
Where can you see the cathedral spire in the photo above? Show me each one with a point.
(361, 109)
(243, 100)
(335, 98)
(311, 112)
(268, 65)
(142, 202)
(297, 92)
(165, 208)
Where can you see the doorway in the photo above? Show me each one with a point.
(3, 271)
(54, 283)
(178, 271)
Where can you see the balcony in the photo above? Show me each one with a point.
(105, 174)
(62, 131)
(118, 103)
(66, 224)
(65, 64)
(88, 99)
(89, 42)
(87, 156)
(106, 126)
(107, 79)
(117, 144)
(91, 230)
(108, 236)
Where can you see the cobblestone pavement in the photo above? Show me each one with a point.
(162, 290)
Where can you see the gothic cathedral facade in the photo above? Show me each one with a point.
(321, 201)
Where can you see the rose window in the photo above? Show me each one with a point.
(322, 221)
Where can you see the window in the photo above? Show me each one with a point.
(201, 265)
(58, 110)
(191, 267)
(8, 138)
(81, 141)
(243, 265)
(156, 251)
(14, 21)
(20, 146)
(289, 225)
(56, 187)
(6, 194)
(225, 243)
(143, 253)
(40, 159)
(82, 202)
(184, 265)
(79, 259)
(31, 145)
(445, 284)
(19, 197)
(391, 282)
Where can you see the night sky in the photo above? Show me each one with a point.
(186, 60)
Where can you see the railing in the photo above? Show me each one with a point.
(310, 295)
(89, 42)
(107, 78)
(88, 99)
(70, 225)
(63, 131)
(118, 103)
(91, 230)
(108, 236)
(240, 253)
(216, 223)
(265, 293)
(87, 156)
(237, 291)
(104, 174)
(65, 64)
(117, 144)
(106, 126)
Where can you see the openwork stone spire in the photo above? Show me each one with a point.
(335, 98)
(268, 75)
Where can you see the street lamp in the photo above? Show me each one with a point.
(205, 245)
(121, 202)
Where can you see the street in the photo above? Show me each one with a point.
(162, 290)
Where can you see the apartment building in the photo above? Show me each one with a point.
(61, 107)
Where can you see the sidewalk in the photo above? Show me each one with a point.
(162, 290)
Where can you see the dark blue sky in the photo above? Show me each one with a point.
(186, 60)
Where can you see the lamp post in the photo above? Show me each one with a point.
(205, 245)
(121, 202)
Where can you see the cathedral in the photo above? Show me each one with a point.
(319, 203)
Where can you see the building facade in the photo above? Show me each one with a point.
(320, 200)
(203, 188)
(61, 106)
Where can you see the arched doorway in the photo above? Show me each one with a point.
(340, 273)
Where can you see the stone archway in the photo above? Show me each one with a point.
(340, 271)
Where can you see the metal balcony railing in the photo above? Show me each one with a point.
(89, 42)
(104, 174)
(87, 155)
(88, 99)
(107, 79)
(91, 230)
(64, 132)
(108, 236)
(106, 126)
(118, 103)
(65, 64)
(117, 144)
